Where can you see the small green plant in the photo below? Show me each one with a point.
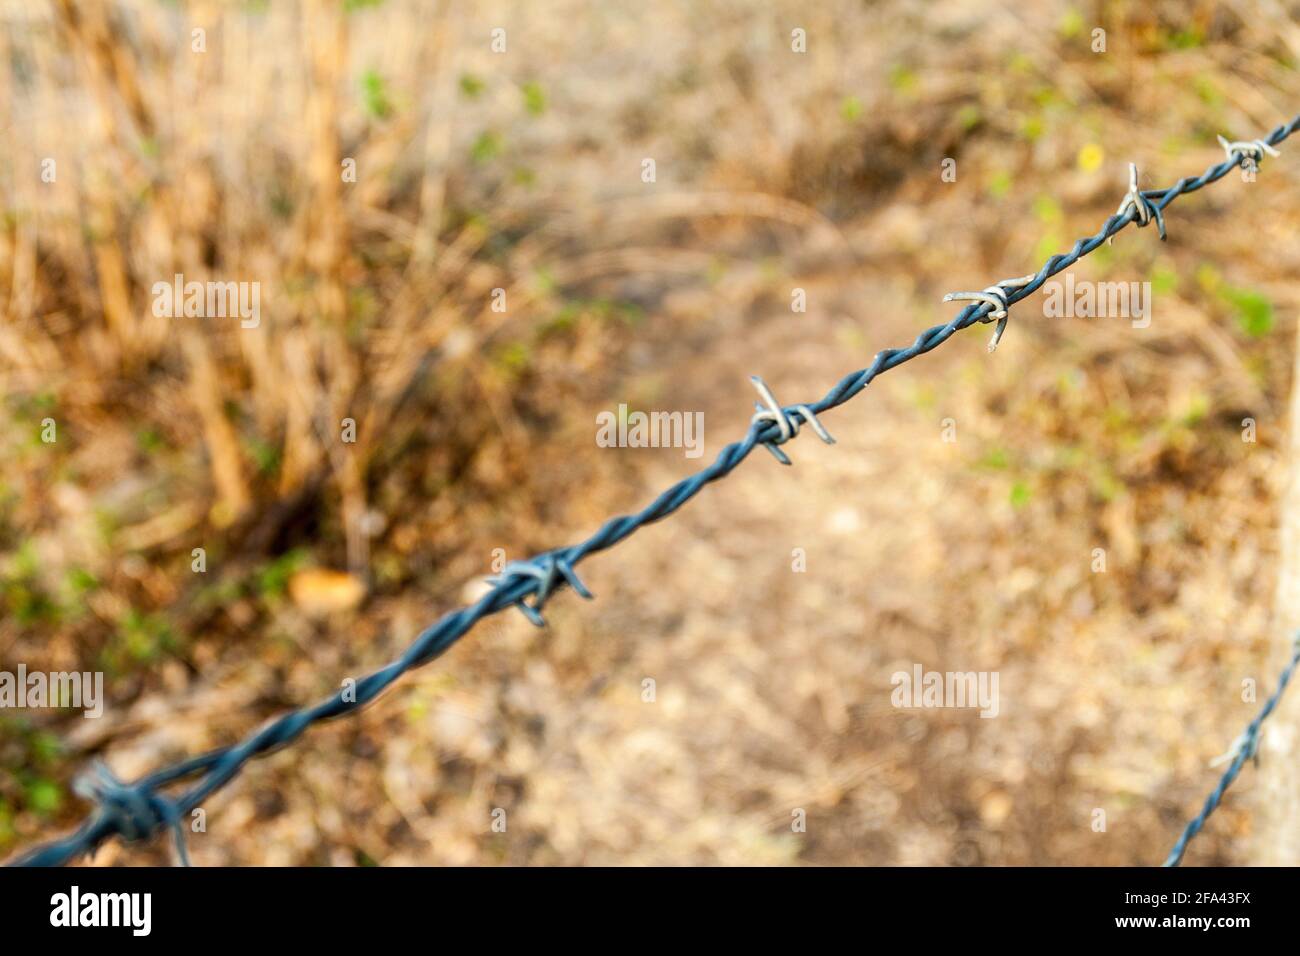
(902, 80)
(42, 795)
(374, 92)
(265, 455)
(1020, 495)
(272, 580)
(149, 440)
(512, 358)
(486, 148)
(534, 98)
(25, 597)
(1254, 312)
(6, 823)
(78, 584)
(141, 639)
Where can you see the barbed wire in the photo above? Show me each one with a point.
(1245, 747)
(139, 810)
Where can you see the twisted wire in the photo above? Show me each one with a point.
(133, 811)
(1243, 748)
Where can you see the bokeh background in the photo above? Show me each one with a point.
(522, 171)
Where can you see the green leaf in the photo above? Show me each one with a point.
(996, 458)
(1071, 24)
(999, 184)
(374, 92)
(273, 579)
(1019, 494)
(44, 796)
(1164, 280)
(969, 116)
(534, 98)
(486, 148)
(1047, 209)
(902, 79)
(1254, 311)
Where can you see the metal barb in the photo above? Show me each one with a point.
(1245, 741)
(548, 570)
(785, 420)
(137, 812)
(1254, 149)
(996, 297)
(1135, 198)
(1144, 208)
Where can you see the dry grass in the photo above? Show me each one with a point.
(479, 171)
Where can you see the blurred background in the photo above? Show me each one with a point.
(522, 170)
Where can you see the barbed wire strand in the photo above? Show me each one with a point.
(135, 811)
(1244, 748)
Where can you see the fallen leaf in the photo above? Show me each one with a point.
(319, 591)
